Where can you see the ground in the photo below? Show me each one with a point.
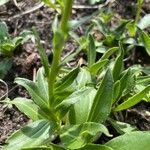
(26, 59)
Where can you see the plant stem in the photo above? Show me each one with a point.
(58, 43)
(66, 16)
(139, 8)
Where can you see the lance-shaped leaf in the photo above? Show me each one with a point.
(31, 135)
(125, 81)
(77, 136)
(97, 66)
(103, 100)
(131, 141)
(144, 22)
(133, 100)
(145, 38)
(42, 83)
(67, 80)
(118, 66)
(79, 113)
(109, 52)
(91, 51)
(116, 91)
(65, 105)
(83, 78)
(29, 108)
(34, 91)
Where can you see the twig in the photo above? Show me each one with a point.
(6, 94)
(9, 91)
(16, 4)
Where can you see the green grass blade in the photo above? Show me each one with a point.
(91, 51)
(118, 66)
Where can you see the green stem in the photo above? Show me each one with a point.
(66, 15)
(58, 43)
(52, 76)
(139, 8)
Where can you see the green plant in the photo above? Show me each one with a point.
(130, 32)
(7, 47)
(70, 107)
(8, 44)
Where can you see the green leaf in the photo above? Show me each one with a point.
(103, 100)
(143, 81)
(34, 91)
(65, 105)
(110, 41)
(127, 82)
(91, 51)
(109, 52)
(145, 38)
(38, 96)
(77, 136)
(62, 95)
(7, 48)
(95, 147)
(66, 80)
(131, 29)
(79, 114)
(83, 78)
(97, 66)
(118, 66)
(31, 135)
(42, 84)
(27, 107)
(144, 22)
(133, 100)
(116, 91)
(23, 37)
(131, 141)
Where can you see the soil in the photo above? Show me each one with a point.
(26, 59)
